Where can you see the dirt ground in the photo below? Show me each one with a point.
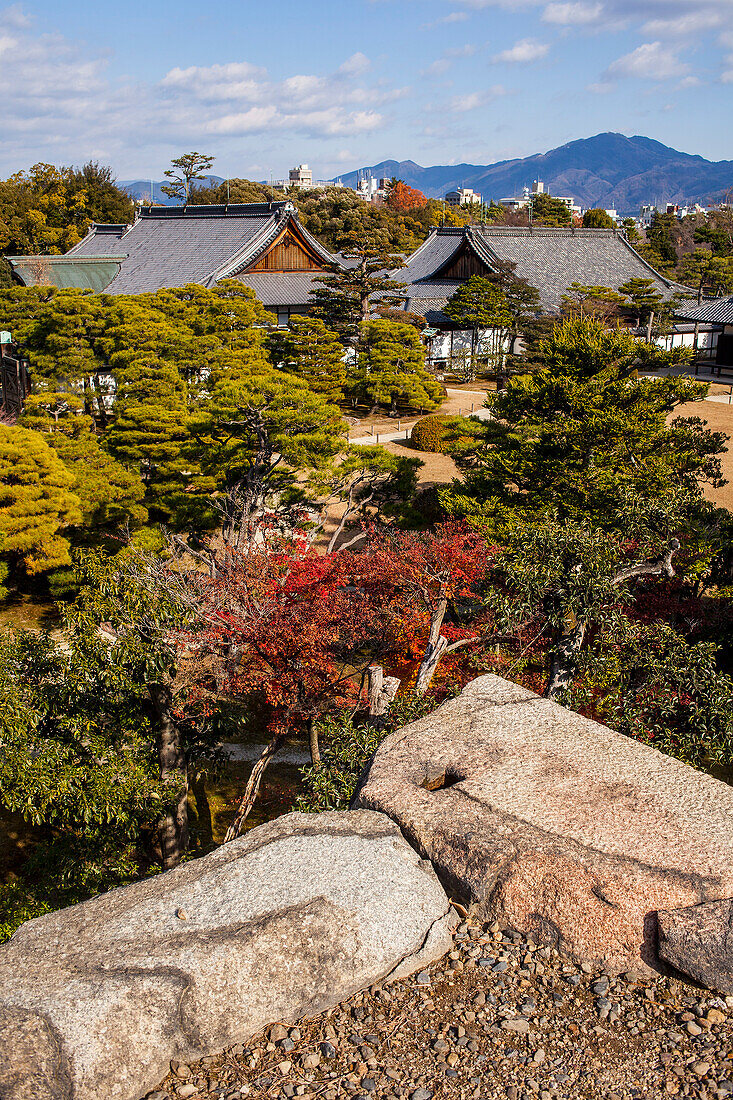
(719, 418)
(462, 399)
(436, 469)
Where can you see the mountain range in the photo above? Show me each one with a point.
(608, 170)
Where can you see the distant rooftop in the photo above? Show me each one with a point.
(548, 258)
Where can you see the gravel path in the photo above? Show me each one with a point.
(497, 1018)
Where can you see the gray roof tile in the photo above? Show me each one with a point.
(714, 311)
(172, 246)
(276, 289)
(549, 259)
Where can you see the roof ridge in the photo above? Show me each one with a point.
(218, 210)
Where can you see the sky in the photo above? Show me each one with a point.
(339, 84)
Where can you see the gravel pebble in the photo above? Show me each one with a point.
(551, 1030)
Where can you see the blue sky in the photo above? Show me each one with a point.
(343, 83)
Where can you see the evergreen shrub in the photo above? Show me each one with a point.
(429, 432)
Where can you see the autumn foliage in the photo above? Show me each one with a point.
(402, 198)
(294, 631)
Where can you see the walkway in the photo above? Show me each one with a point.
(472, 408)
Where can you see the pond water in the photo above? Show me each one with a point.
(214, 801)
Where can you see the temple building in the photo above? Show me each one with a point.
(262, 245)
(549, 259)
(709, 328)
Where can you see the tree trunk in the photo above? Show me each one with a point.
(434, 650)
(562, 663)
(649, 328)
(173, 826)
(429, 664)
(381, 690)
(253, 786)
(313, 744)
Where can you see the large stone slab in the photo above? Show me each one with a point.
(698, 941)
(296, 915)
(552, 823)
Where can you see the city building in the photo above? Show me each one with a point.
(371, 189)
(519, 202)
(463, 196)
(301, 177)
(261, 245)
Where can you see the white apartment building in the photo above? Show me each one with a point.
(518, 202)
(462, 196)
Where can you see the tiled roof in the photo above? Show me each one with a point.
(430, 256)
(172, 246)
(429, 308)
(549, 259)
(81, 273)
(281, 289)
(715, 311)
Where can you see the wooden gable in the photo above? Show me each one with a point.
(463, 265)
(288, 252)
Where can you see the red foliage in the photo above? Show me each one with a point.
(402, 198)
(292, 632)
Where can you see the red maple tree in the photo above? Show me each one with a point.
(402, 198)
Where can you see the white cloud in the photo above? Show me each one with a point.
(356, 65)
(15, 16)
(572, 14)
(60, 103)
(685, 25)
(522, 52)
(460, 104)
(650, 61)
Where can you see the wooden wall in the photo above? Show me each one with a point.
(287, 255)
(464, 266)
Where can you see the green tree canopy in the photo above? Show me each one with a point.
(311, 351)
(49, 209)
(547, 210)
(184, 171)
(36, 501)
(109, 494)
(597, 218)
(644, 298)
(253, 436)
(345, 298)
(580, 435)
(392, 367)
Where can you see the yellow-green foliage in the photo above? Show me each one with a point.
(429, 433)
(36, 501)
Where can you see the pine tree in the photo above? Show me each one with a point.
(150, 430)
(36, 501)
(392, 367)
(109, 494)
(480, 304)
(581, 435)
(255, 435)
(309, 350)
(345, 299)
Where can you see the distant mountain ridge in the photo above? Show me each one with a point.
(140, 189)
(609, 170)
